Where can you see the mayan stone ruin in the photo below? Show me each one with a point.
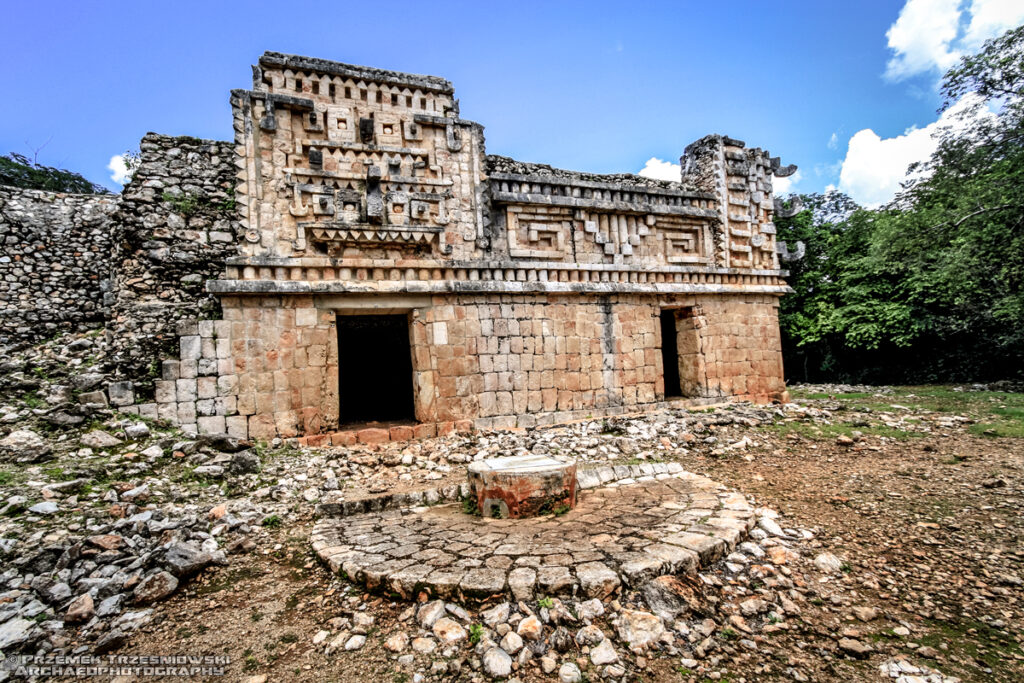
(356, 257)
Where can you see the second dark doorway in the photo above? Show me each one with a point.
(670, 354)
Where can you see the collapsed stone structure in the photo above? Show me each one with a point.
(366, 260)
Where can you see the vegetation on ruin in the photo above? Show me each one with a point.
(931, 286)
(18, 170)
(189, 204)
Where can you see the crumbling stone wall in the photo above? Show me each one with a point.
(54, 263)
(176, 226)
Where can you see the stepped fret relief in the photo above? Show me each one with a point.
(340, 161)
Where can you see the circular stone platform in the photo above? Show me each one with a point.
(522, 486)
(622, 534)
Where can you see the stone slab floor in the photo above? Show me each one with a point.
(624, 533)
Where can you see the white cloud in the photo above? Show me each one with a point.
(785, 185)
(119, 172)
(661, 170)
(922, 38)
(874, 167)
(929, 36)
(833, 142)
(990, 18)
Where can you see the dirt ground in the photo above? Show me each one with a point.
(929, 525)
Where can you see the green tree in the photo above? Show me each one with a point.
(930, 287)
(19, 171)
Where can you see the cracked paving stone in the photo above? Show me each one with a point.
(624, 534)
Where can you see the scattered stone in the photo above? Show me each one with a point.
(597, 580)
(591, 609)
(155, 587)
(530, 628)
(828, 563)
(570, 673)
(638, 629)
(397, 642)
(865, 613)
(47, 507)
(496, 615)
(448, 631)
(25, 445)
(511, 643)
(604, 653)
(753, 607)
(429, 613)
(98, 438)
(14, 632)
(137, 431)
(424, 646)
(184, 559)
(497, 663)
(81, 609)
(589, 635)
(855, 648)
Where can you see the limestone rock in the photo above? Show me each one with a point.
(604, 653)
(424, 646)
(184, 559)
(47, 507)
(596, 579)
(828, 563)
(589, 635)
(81, 609)
(496, 615)
(530, 628)
(511, 643)
(429, 613)
(448, 631)
(865, 613)
(497, 663)
(397, 642)
(855, 648)
(25, 445)
(638, 629)
(570, 673)
(155, 587)
(98, 438)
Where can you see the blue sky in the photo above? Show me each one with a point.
(595, 86)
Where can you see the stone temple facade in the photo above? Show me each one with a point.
(385, 269)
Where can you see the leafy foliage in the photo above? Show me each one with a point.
(930, 287)
(19, 171)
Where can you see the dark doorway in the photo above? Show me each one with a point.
(374, 368)
(670, 354)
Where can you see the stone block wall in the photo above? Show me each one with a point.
(730, 346)
(54, 262)
(501, 357)
(269, 367)
(177, 224)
